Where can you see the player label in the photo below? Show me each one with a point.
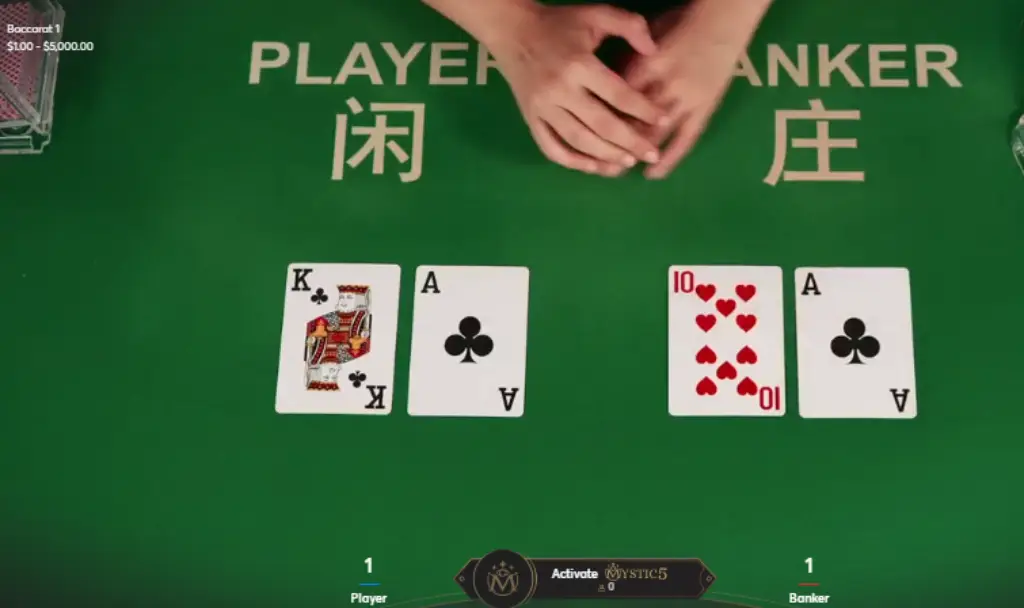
(372, 600)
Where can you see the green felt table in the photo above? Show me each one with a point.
(144, 253)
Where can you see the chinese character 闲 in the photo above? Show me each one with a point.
(380, 139)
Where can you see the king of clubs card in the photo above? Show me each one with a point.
(337, 337)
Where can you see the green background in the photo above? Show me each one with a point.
(143, 256)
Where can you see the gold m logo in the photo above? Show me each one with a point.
(503, 582)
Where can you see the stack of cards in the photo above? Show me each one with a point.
(726, 341)
(468, 340)
(28, 73)
(855, 345)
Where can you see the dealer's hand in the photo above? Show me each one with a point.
(567, 96)
(698, 47)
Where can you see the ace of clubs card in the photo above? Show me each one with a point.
(338, 339)
(855, 343)
(468, 354)
(726, 353)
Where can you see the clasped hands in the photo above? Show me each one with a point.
(588, 117)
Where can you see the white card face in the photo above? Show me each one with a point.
(855, 343)
(726, 353)
(469, 341)
(338, 339)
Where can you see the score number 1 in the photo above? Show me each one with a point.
(369, 565)
(810, 565)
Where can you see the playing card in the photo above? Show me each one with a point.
(469, 341)
(338, 339)
(855, 343)
(725, 341)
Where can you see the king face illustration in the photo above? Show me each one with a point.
(337, 338)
